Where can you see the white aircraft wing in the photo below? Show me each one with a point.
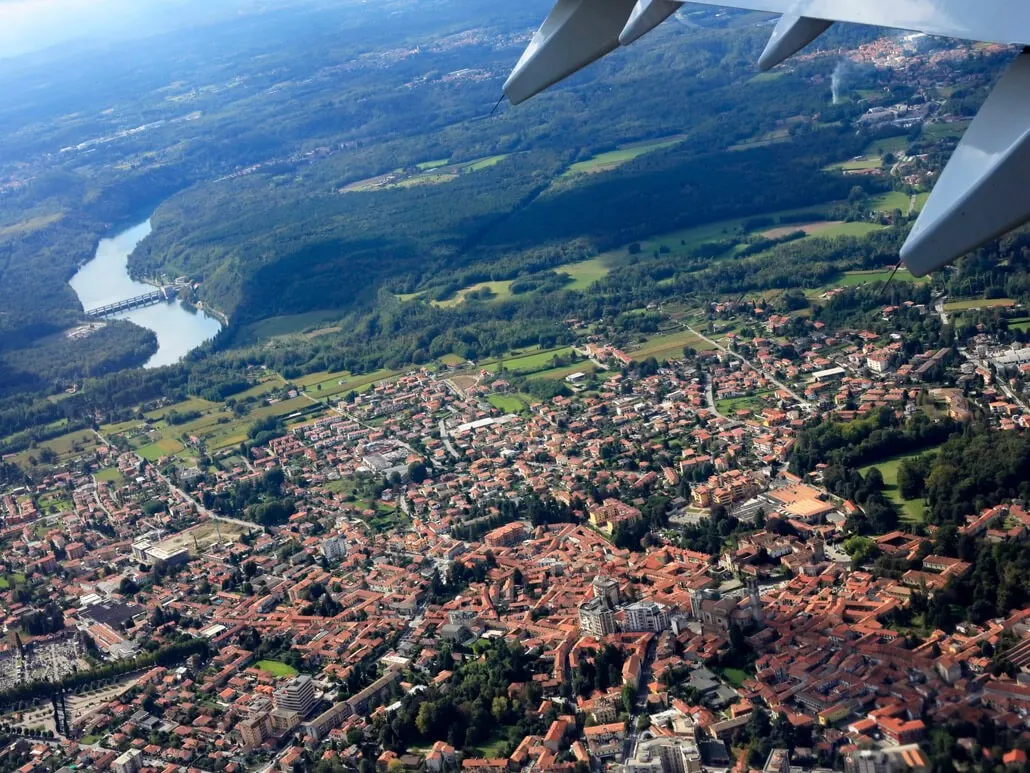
(982, 193)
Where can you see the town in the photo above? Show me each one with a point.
(439, 570)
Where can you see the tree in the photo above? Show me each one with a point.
(629, 697)
(499, 708)
(861, 549)
(874, 480)
(425, 721)
(911, 479)
(417, 472)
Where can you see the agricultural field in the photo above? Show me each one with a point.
(585, 273)
(162, 448)
(282, 408)
(65, 447)
(865, 163)
(558, 374)
(978, 303)
(893, 145)
(531, 363)
(289, 325)
(855, 278)
(605, 162)
(501, 292)
(326, 384)
(435, 172)
(187, 406)
(888, 202)
(1020, 323)
(110, 475)
(669, 346)
(763, 140)
(750, 403)
(939, 131)
(690, 238)
(510, 403)
(850, 229)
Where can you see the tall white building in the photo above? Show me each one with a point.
(608, 589)
(334, 548)
(296, 695)
(646, 616)
(130, 762)
(595, 617)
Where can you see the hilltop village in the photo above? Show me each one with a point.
(441, 572)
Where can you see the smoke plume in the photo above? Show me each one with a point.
(837, 80)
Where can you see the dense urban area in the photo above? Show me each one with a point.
(635, 456)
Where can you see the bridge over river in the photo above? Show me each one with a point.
(147, 299)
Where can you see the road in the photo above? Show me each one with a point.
(445, 437)
(747, 363)
(712, 406)
(640, 703)
(1004, 387)
(938, 306)
(182, 494)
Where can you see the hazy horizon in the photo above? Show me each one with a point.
(29, 26)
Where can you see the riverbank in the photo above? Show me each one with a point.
(106, 280)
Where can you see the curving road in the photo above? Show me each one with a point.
(747, 363)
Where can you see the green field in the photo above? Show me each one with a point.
(435, 172)
(275, 668)
(893, 145)
(604, 162)
(111, 475)
(186, 406)
(501, 291)
(689, 238)
(978, 304)
(848, 229)
(282, 408)
(64, 446)
(734, 676)
(750, 403)
(530, 363)
(484, 163)
(585, 273)
(911, 509)
(326, 384)
(557, 374)
(937, 131)
(1020, 323)
(164, 447)
(288, 324)
(669, 346)
(762, 140)
(854, 278)
(859, 164)
(508, 403)
(452, 359)
(888, 202)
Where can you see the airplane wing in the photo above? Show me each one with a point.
(980, 195)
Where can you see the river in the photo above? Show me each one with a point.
(105, 279)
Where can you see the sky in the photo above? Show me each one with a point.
(31, 25)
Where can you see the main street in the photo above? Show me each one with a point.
(747, 363)
(640, 701)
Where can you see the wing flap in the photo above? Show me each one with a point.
(574, 34)
(992, 21)
(982, 192)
